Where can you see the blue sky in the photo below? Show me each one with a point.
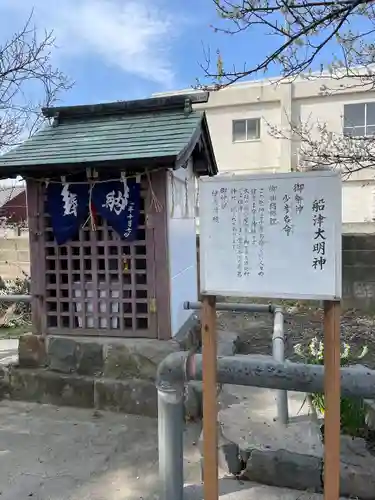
(127, 49)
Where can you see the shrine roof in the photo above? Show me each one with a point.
(164, 131)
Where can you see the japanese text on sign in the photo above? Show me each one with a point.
(215, 205)
(272, 207)
(298, 198)
(272, 235)
(261, 232)
(250, 222)
(319, 242)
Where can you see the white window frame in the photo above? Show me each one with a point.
(365, 124)
(248, 139)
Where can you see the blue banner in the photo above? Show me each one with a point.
(119, 203)
(67, 205)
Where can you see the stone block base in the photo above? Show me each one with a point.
(285, 469)
(357, 472)
(105, 373)
(289, 456)
(134, 396)
(118, 359)
(32, 351)
(128, 396)
(43, 386)
(230, 459)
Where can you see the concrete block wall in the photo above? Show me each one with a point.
(14, 255)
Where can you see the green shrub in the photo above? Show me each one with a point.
(352, 410)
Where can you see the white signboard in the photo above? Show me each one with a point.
(276, 236)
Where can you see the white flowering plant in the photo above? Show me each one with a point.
(313, 353)
(17, 314)
(353, 416)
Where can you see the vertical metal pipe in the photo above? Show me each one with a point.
(278, 341)
(170, 435)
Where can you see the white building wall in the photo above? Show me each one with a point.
(181, 243)
(328, 109)
(358, 190)
(278, 105)
(358, 199)
(244, 156)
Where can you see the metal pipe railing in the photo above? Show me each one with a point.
(234, 306)
(278, 344)
(278, 340)
(171, 431)
(15, 298)
(249, 370)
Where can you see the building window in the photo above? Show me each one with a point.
(246, 130)
(359, 119)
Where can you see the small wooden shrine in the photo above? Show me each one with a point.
(111, 194)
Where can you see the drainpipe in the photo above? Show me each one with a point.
(278, 342)
(170, 436)
(170, 379)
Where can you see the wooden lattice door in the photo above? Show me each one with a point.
(99, 284)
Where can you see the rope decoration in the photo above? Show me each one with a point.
(154, 199)
(92, 180)
(125, 176)
(173, 190)
(175, 194)
(91, 212)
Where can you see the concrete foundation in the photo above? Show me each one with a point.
(102, 373)
(112, 374)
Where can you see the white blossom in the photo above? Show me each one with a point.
(364, 352)
(346, 352)
(298, 349)
(320, 353)
(313, 347)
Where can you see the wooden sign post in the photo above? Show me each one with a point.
(209, 363)
(332, 400)
(276, 236)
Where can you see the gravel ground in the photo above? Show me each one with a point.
(302, 323)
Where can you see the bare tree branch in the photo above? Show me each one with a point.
(28, 81)
(319, 147)
(304, 29)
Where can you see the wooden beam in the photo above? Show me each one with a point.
(332, 400)
(209, 363)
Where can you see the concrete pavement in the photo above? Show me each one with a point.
(51, 453)
(8, 351)
(60, 453)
